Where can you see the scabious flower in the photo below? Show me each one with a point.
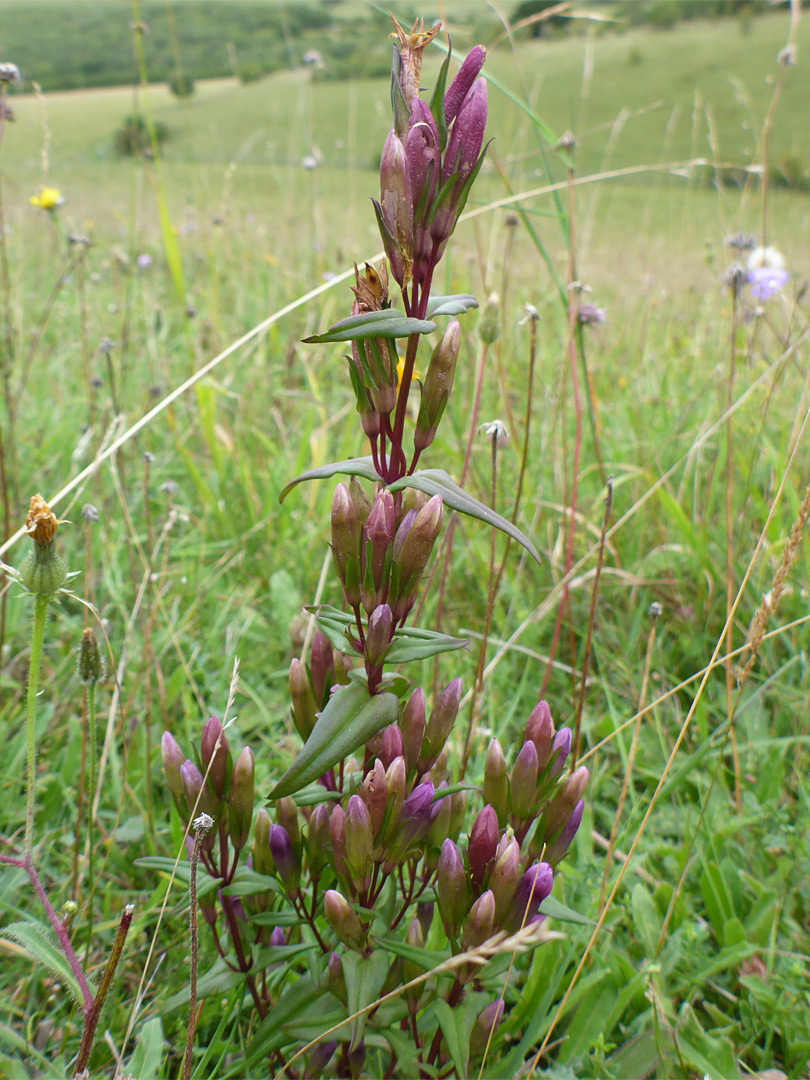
(766, 281)
(47, 198)
(144, 261)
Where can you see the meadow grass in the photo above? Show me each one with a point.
(194, 564)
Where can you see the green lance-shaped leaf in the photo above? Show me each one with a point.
(450, 305)
(410, 642)
(438, 482)
(387, 323)
(437, 100)
(456, 1024)
(350, 718)
(365, 976)
(361, 466)
(39, 946)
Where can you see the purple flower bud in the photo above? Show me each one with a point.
(172, 760)
(412, 726)
(284, 858)
(560, 749)
(504, 877)
(534, 886)
(496, 784)
(392, 745)
(287, 817)
(523, 782)
(414, 821)
(413, 557)
(319, 1058)
(395, 795)
(378, 536)
(440, 724)
(214, 750)
(451, 888)
(321, 667)
(480, 924)
(558, 848)
(396, 208)
(424, 168)
(192, 781)
(565, 799)
(373, 792)
(240, 799)
(403, 530)
(301, 699)
(540, 729)
(261, 855)
(484, 1027)
(465, 76)
(342, 919)
(277, 938)
(467, 135)
(346, 535)
(318, 840)
(359, 842)
(337, 834)
(424, 913)
(379, 634)
(482, 844)
(336, 977)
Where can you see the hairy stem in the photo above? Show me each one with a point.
(37, 638)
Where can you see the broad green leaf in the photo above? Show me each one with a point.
(552, 907)
(39, 946)
(456, 1024)
(387, 323)
(365, 976)
(148, 1052)
(450, 305)
(350, 718)
(410, 642)
(362, 466)
(438, 482)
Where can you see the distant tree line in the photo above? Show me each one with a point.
(656, 13)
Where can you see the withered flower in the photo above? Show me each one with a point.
(411, 47)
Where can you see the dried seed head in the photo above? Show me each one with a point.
(41, 522)
(91, 662)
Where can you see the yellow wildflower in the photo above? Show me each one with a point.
(48, 198)
(417, 373)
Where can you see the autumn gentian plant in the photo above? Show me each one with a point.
(375, 897)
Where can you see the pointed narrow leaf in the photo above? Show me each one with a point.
(557, 910)
(437, 100)
(360, 466)
(423, 958)
(387, 323)
(457, 1024)
(365, 976)
(410, 642)
(438, 482)
(450, 305)
(350, 718)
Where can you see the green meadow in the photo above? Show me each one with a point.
(700, 963)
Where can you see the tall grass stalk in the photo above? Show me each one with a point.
(34, 665)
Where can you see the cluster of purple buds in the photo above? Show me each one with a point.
(430, 158)
(213, 785)
(532, 791)
(380, 558)
(310, 687)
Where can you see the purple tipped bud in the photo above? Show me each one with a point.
(480, 923)
(442, 813)
(564, 801)
(424, 913)
(415, 820)
(534, 886)
(461, 84)
(277, 938)
(321, 667)
(496, 784)
(412, 726)
(392, 746)
(374, 794)
(337, 834)
(192, 781)
(359, 842)
(172, 760)
(301, 699)
(560, 749)
(396, 208)
(346, 536)
(214, 750)
(441, 721)
(337, 980)
(523, 782)
(284, 858)
(240, 799)
(413, 557)
(559, 847)
(484, 1027)
(342, 919)
(504, 877)
(318, 840)
(437, 386)
(482, 844)
(379, 634)
(451, 888)
(395, 795)
(540, 729)
(378, 537)
(467, 135)
(320, 1058)
(404, 528)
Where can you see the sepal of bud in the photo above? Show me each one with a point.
(392, 746)
(413, 557)
(318, 840)
(343, 919)
(359, 843)
(540, 729)
(556, 851)
(374, 794)
(504, 877)
(337, 834)
(523, 782)
(284, 859)
(321, 667)
(346, 537)
(395, 796)
(565, 799)
(534, 886)
(379, 634)
(412, 726)
(335, 975)
(437, 386)
(43, 571)
(172, 760)
(484, 1027)
(287, 817)
(240, 798)
(302, 699)
(560, 749)
(440, 724)
(260, 851)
